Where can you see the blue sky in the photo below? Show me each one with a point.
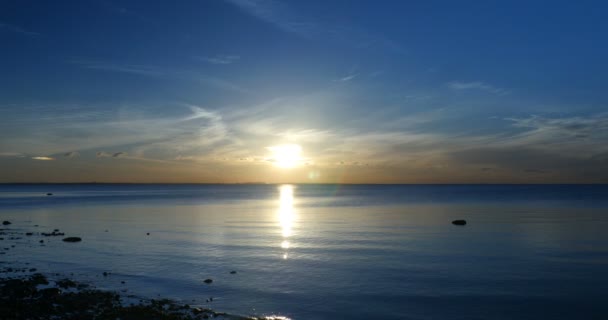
(372, 91)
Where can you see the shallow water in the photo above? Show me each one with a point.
(329, 251)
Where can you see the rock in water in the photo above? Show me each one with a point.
(459, 222)
(6, 222)
(72, 239)
(49, 194)
(232, 272)
(208, 281)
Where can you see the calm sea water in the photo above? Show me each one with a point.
(329, 251)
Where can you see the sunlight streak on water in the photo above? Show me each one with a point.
(286, 215)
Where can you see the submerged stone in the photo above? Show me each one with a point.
(72, 239)
(459, 222)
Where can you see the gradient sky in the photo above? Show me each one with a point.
(373, 91)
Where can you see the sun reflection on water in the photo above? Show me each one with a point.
(286, 215)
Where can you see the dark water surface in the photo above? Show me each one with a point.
(330, 251)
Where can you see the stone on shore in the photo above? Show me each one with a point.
(23, 298)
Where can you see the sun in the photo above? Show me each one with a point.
(286, 155)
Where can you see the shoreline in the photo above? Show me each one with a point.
(35, 296)
(26, 293)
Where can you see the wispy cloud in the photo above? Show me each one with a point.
(220, 59)
(17, 29)
(103, 154)
(124, 68)
(12, 154)
(476, 85)
(579, 136)
(347, 78)
(274, 12)
(71, 154)
(540, 147)
(578, 126)
(43, 158)
(155, 71)
(283, 17)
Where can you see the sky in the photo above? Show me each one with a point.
(364, 91)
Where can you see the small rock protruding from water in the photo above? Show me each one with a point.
(72, 239)
(208, 281)
(460, 222)
(41, 241)
(232, 272)
(6, 222)
(29, 233)
(105, 274)
(147, 233)
(49, 194)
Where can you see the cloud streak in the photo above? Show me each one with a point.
(17, 29)
(284, 18)
(160, 72)
(476, 85)
(347, 78)
(220, 59)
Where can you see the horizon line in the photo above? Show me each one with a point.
(297, 183)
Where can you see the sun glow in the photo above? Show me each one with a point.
(286, 155)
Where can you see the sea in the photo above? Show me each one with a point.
(305, 251)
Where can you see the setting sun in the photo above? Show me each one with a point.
(286, 155)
